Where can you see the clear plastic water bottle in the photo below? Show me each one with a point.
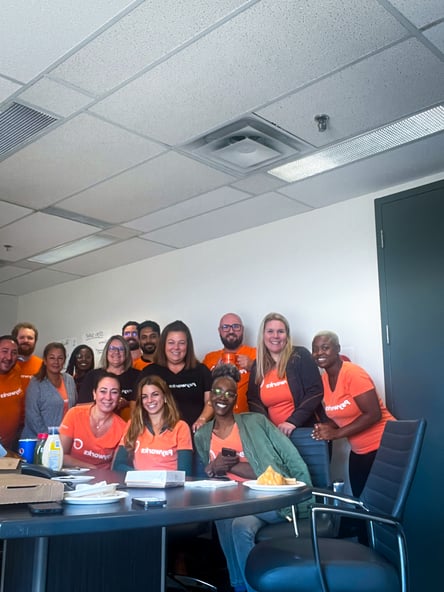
(52, 456)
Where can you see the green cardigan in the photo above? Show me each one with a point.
(263, 445)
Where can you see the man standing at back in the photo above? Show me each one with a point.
(149, 335)
(231, 332)
(11, 394)
(26, 336)
(130, 333)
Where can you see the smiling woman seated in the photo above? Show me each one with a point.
(253, 444)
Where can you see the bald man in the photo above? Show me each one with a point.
(231, 333)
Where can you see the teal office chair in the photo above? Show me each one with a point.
(316, 564)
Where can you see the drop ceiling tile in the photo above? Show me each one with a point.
(228, 72)
(10, 212)
(35, 280)
(55, 98)
(436, 36)
(7, 88)
(187, 209)
(389, 85)
(113, 256)
(259, 183)
(47, 30)
(393, 168)
(39, 232)
(240, 216)
(159, 183)
(83, 151)
(120, 232)
(10, 271)
(420, 13)
(144, 36)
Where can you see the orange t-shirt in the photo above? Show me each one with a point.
(233, 441)
(213, 358)
(140, 364)
(12, 407)
(64, 395)
(340, 406)
(87, 447)
(276, 396)
(28, 369)
(159, 451)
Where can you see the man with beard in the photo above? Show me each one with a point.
(149, 335)
(130, 333)
(231, 332)
(12, 406)
(26, 335)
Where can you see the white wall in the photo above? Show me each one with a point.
(319, 269)
(8, 313)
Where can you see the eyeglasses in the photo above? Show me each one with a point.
(221, 393)
(235, 327)
(130, 334)
(116, 349)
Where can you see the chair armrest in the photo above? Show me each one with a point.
(362, 514)
(340, 497)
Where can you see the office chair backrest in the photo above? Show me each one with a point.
(391, 476)
(315, 454)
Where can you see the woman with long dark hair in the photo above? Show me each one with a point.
(188, 379)
(80, 362)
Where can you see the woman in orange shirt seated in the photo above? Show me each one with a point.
(156, 437)
(90, 434)
(352, 405)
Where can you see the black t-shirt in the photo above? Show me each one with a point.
(187, 386)
(128, 381)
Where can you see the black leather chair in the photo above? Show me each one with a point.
(336, 565)
(316, 455)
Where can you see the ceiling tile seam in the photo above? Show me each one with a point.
(180, 203)
(327, 75)
(158, 243)
(411, 27)
(124, 128)
(199, 215)
(168, 55)
(100, 182)
(27, 215)
(302, 203)
(439, 21)
(87, 93)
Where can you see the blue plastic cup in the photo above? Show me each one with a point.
(26, 449)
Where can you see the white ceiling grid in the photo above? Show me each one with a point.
(132, 82)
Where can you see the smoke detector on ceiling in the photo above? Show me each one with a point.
(247, 145)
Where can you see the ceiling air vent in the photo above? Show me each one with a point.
(19, 123)
(247, 145)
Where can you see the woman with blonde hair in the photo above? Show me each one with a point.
(116, 358)
(285, 384)
(156, 437)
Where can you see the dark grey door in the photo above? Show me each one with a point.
(410, 232)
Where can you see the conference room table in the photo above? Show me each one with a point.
(117, 546)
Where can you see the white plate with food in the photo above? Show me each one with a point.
(75, 470)
(73, 478)
(94, 500)
(253, 484)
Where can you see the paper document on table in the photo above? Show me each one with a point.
(210, 483)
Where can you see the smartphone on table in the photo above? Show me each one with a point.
(149, 502)
(45, 508)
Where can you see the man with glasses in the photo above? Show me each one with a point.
(130, 333)
(149, 336)
(231, 332)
